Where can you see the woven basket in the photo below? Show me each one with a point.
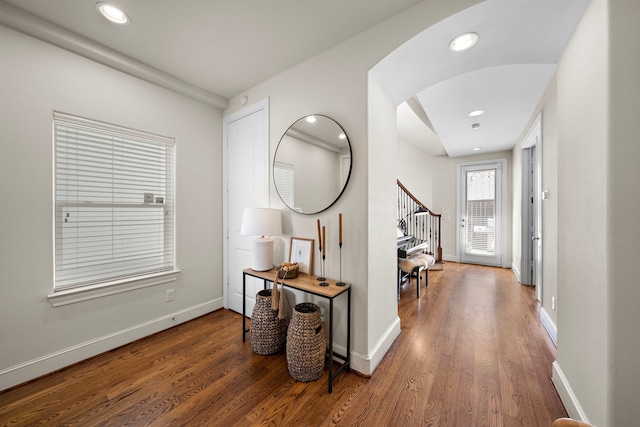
(292, 273)
(306, 344)
(268, 332)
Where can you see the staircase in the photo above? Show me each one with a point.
(426, 226)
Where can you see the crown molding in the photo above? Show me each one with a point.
(34, 26)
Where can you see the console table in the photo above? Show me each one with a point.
(311, 285)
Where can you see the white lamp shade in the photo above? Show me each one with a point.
(261, 222)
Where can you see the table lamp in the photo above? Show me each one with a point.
(263, 223)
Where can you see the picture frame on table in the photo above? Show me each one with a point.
(301, 251)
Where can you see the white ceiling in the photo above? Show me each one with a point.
(504, 74)
(225, 47)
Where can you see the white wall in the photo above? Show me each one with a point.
(548, 107)
(36, 79)
(336, 84)
(583, 190)
(414, 169)
(624, 205)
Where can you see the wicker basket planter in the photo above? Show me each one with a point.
(268, 332)
(306, 343)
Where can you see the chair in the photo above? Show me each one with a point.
(568, 422)
(414, 266)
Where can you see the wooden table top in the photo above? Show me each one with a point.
(303, 282)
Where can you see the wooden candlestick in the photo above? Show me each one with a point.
(324, 237)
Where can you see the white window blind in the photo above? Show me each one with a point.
(114, 192)
(283, 179)
(481, 212)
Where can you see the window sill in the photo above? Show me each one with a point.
(72, 296)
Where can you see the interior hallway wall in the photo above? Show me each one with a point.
(37, 79)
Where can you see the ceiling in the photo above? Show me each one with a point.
(225, 47)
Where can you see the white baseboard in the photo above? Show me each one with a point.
(366, 364)
(451, 258)
(516, 271)
(549, 326)
(35, 368)
(568, 397)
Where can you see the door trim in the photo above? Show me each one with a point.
(503, 204)
(226, 121)
(531, 223)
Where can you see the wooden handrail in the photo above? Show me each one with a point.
(425, 227)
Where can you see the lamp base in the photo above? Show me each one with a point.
(262, 254)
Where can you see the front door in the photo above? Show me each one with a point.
(481, 217)
(247, 185)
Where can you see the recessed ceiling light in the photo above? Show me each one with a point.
(475, 126)
(113, 13)
(476, 148)
(342, 136)
(310, 119)
(463, 42)
(476, 113)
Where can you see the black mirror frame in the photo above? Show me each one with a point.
(346, 182)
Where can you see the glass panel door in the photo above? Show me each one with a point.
(480, 213)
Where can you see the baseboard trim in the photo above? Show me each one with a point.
(516, 272)
(40, 366)
(452, 258)
(568, 397)
(549, 326)
(367, 364)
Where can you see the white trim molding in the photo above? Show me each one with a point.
(366, 364)
(34, 26)
(35, 368)
(85, 293)
(549, 326)
(568, 397)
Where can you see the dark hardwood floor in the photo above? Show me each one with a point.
(471, 353)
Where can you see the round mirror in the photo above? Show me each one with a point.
(312, 164)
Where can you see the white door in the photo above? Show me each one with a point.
(246, 146)
(481, 214)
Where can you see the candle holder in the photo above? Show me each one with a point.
(340, 283)
(321, 278)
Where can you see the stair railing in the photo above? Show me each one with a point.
(424, 226)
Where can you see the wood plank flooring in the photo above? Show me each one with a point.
(471, 353)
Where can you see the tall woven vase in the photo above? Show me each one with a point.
(268, 332)
(306, 344)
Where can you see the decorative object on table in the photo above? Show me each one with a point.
(306, 343)
(340, 282)
(288, 270)
(277, 296)
(263, 223)
(321, 249)
(324, 253)
(268, 330)
(301, 252)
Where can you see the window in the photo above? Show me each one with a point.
(481, 212)
(283, 175)
(114, 193)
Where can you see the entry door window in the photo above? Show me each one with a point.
(480, 229)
